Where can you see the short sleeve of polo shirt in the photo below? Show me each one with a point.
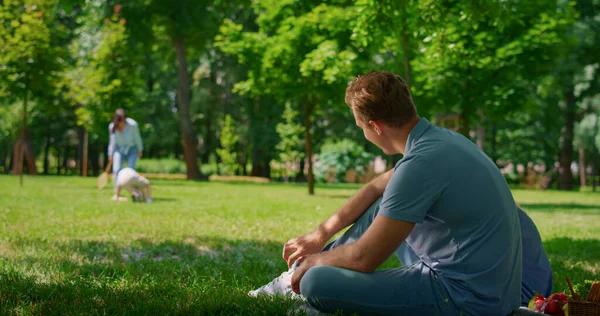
(411, 192)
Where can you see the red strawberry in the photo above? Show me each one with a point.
(553, 308)
(539, 304)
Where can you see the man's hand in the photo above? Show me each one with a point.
(109, 159)
(299, 248)
(307, 263)
(139, 154)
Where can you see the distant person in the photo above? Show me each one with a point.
(137, 185)
(125, 142)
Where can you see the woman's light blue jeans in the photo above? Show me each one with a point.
(118, 158)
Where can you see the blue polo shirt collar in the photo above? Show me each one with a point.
(416, 134)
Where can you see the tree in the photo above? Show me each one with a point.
(227, 152)
(289, 132)
(587, 140)
(31, 57)
(576, 78)
(302, 52)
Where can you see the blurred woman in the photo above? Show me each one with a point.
(125, 142)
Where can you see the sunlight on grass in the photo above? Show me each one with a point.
(66, 248)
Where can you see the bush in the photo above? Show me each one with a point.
(171, 166)
(336, 158)
(163, 165)
(208, 169)
(243, 179)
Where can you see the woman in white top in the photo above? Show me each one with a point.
(125, 142)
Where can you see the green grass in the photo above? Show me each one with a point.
(65, 248)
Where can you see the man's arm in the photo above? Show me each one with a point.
(380, 241)
(351, 210)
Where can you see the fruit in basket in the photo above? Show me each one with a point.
(553, 308)
(536, 302)
(555, 304)
(559, 296)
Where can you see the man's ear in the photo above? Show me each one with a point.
(377, 126)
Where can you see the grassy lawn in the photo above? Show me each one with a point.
(65, 248)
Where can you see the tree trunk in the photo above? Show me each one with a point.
(481, 131)
(464, 127)
(208, 128)
(4, 161)
(11, 163)
(243, 162)
(308, 109)
(185, 121)
(23, 152)
(58, 169)
(29, 154)
(82, 150)
(66, 159)
(24, 135)
(46, 154)
(85, 153)
(260, 165)
(95, 160)
(565, 179)
(17, 160)
(596, 173)
(301, 177)
(493, 151)
(582, 179)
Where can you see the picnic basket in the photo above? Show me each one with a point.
(588, 307)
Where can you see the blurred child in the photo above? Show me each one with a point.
(138, 186)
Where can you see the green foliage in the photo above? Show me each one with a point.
(503, 66)
(289, 132)
(227, 153)
(101, 77)
(162, 166)
(28, 58)
(587, 133)
(582, 288)
(169, 166)
(337, 157)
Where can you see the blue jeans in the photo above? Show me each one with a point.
(118, 158)
(412, 289)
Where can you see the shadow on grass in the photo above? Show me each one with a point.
(560, 207)
(578, 259)
(197, 275)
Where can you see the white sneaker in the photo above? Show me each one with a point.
(281, 285)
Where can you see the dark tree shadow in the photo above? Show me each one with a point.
(577, 259)
(197, 275)
(559, 207)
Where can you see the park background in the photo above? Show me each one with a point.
(236, 96)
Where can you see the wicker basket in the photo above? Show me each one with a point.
(584, 308)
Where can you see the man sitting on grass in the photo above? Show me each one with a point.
(445, 210)
(137, 185)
